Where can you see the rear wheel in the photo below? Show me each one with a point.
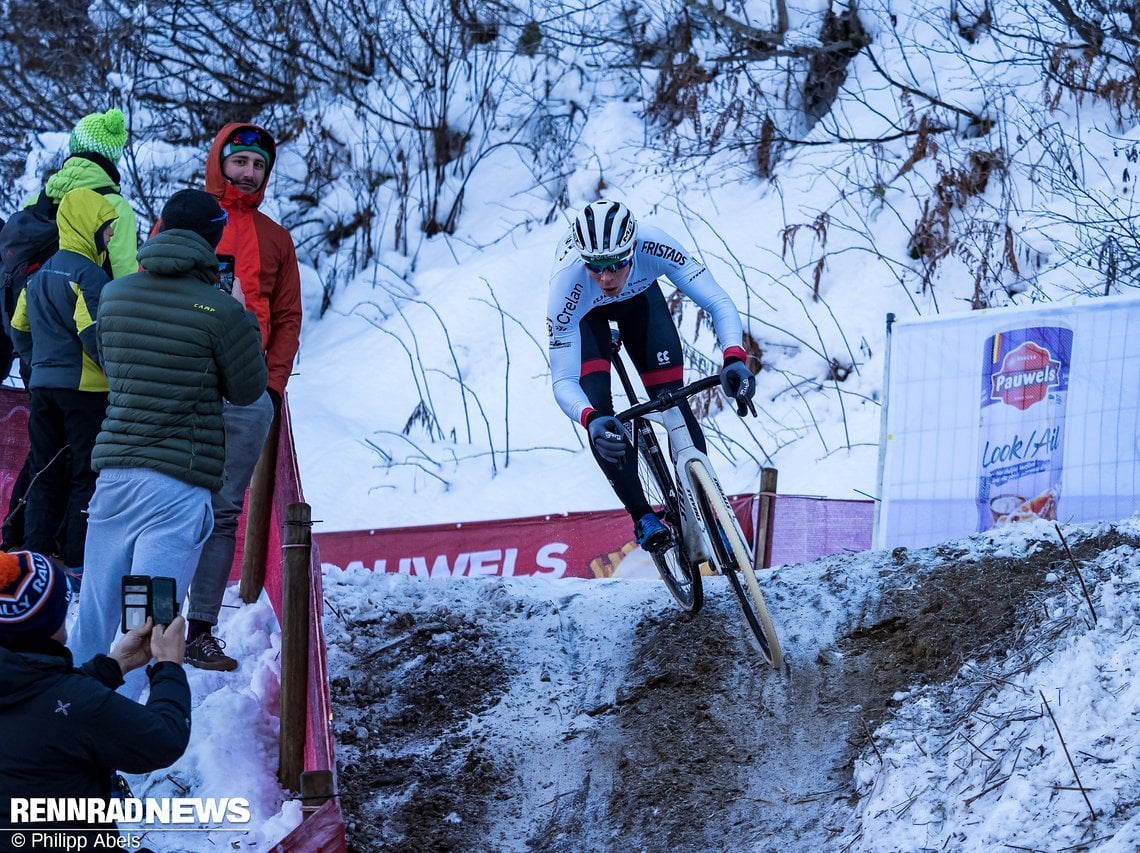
(733, 559)
(682, 578)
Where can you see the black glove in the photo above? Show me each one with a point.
(608, 437)
(737, 382)
(274, 398)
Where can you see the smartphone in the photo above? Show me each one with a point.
(136, 601)
(226, 273)
(145, 596)
(163, 600)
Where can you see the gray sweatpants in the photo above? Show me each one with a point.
(246, 428)
(140, 522)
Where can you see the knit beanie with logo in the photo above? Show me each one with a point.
(33, 595)
(103, 133)
(250, 139)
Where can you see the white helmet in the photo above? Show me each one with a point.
(604, 229)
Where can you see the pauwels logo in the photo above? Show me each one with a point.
(1027, 373)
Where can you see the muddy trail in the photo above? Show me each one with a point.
(503, 722)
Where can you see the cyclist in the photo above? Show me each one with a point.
(606, 270)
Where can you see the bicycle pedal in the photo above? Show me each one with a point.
(659, 542)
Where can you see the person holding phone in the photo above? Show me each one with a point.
(174, 349)
(65, 731)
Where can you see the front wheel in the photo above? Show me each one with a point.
(682, 578)
(731, 554)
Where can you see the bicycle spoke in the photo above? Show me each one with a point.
(682, 579)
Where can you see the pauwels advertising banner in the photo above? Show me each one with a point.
(1009, 415)
(574, 545)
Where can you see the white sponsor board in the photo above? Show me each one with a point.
(1010, 414)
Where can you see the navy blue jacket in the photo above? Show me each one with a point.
(65, 731)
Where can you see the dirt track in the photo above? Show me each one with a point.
(671, 737)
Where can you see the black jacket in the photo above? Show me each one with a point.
(173, 347)
(65, 731)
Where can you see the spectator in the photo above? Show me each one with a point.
(65, 731)
(95, 148)
(54, 326)
(174, 347)
(268, 283)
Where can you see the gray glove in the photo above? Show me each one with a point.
(608, 438)
(737, 382)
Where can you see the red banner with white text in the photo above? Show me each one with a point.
(570, 545)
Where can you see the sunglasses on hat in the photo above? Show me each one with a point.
(248, 136)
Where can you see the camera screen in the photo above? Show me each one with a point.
(164, 604)
(226, 273)
(136, 597)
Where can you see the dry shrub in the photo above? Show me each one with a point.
(1088, 71)
(932, 238)
(819, 228)
(680, 83)
(765, 151)
(924, 146)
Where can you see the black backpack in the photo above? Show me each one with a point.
(27, 240)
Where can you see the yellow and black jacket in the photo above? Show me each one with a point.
(54, 322)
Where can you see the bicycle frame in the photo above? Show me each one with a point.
(684, 453)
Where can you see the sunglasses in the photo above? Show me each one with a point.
(601, 265)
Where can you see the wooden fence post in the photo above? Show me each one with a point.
(764, 516)
(316, 790)
(258, 512)
(294, 644)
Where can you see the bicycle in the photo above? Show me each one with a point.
(688, 497)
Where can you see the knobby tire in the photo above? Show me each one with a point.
(732, 554)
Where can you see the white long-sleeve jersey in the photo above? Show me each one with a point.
(573, 294)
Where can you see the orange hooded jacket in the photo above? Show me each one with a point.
(265, 261)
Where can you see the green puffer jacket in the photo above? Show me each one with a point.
(173, 346)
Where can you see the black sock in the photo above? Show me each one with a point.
(197, 628)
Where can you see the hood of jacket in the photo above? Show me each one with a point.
(216, 183)
(23, 673)
(82, 171)
(180, 252)
(82, 215)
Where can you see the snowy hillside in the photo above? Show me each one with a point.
(963, 698)
(947, 174)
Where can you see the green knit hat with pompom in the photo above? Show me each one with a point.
(103, 133)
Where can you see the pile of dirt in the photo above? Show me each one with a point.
(408, 779)
(953, 611)
(700, 746)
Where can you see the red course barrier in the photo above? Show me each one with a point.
(586, 544)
